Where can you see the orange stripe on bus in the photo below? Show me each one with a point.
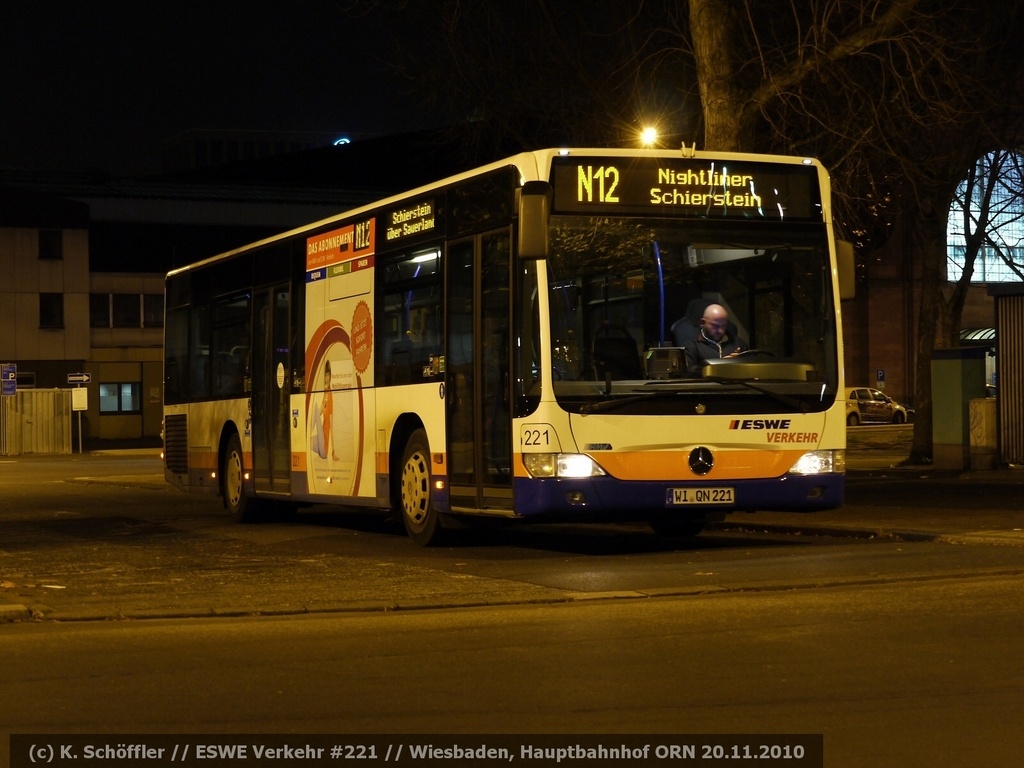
(202, 459)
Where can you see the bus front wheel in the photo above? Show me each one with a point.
(232, 473)
(422, 521)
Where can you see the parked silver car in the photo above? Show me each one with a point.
(864, 404)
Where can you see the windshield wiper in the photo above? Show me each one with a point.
(691, 386)
(616, 402)
(792, 402)
(652, 388)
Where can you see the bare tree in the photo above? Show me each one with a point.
(930, 101)
(987, 219)
(898, 97)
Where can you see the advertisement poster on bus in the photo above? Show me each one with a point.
(339, 361)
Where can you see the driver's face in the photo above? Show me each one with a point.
(714, 327)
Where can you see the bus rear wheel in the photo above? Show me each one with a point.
(232, 474)
(422, 521)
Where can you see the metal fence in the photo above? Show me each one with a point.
(35, 421)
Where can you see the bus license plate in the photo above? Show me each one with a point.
(682, 496)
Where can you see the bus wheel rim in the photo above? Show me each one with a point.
(416, 488)
(234, 477)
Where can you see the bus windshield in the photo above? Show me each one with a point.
(627, 297)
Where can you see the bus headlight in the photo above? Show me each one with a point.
(820, 463)
(561, 465)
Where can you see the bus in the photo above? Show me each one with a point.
(510, 344)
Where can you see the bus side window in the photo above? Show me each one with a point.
(409, 334)
(199, 353)
(229, 343)
(200, 385)
(176, 356)
(401, 362)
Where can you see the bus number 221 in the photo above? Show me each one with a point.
(534, 437)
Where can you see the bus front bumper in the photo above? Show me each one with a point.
(606, 497)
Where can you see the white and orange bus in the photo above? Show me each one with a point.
(509, 343)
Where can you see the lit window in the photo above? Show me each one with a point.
(1000, 257)
(120, 398)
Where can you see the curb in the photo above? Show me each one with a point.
(847, 532)
(14, 612)
(1013, 538)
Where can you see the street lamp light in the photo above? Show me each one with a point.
(648, 136)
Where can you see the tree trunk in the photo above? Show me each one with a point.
(712, 34)
(933, 319)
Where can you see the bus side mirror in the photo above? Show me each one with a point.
(847, 267)
(534, 213)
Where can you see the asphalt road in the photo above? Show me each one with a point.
(890, 626)
(909, 673)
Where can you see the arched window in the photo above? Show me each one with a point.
(986, 221)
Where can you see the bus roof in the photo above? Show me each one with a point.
(532, 166)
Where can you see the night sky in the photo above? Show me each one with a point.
(100, 85)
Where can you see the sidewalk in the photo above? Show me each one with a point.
(887, 498)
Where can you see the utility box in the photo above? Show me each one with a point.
(958, 377)
(983, 433)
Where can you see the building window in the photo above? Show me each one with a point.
(51, 244)
(988, 208)
(153, 310)
(127, 310)
(99, 310)
(120, 398)
(51, 310)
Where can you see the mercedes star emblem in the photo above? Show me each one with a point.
(701, 460)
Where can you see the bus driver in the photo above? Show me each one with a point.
(713, 340)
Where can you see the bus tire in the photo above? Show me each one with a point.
(232, 474)
(673, 526)
(422, 521)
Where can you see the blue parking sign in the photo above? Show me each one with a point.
(9, 375)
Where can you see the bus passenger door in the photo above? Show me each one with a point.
(271, 386)
(477, 373)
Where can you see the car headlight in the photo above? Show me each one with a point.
(561, 465)
(820, 463)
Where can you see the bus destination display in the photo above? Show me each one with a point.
(412, 219)
(686, 187)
